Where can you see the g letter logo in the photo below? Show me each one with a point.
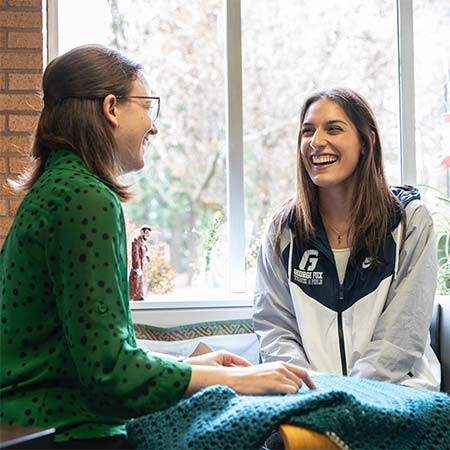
(310, 256)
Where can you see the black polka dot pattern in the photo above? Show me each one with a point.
(68, 351)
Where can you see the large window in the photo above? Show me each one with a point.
(290, 48)
(181, 193)
(432, 114)
(432, 92)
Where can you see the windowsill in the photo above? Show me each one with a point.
(194, 299)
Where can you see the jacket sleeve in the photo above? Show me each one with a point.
(87, 264)
(401, 333)
(274, 318)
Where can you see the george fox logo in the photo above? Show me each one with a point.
(306, 273)
(310, 256)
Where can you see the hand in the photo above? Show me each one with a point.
(219, 358)
(270, 378)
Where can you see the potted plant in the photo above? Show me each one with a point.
(441, 217)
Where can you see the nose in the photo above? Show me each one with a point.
(153, 129)
(318, 140)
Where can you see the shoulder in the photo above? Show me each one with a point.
(71, 203)
(417, 223)
(76, 192)
(410, 206)
(271, 234)
(417, 214)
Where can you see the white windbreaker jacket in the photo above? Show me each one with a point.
(375, 325)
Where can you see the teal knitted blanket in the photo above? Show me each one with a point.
(355, 413)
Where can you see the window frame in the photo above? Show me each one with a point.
(405, 73)
(238, 295)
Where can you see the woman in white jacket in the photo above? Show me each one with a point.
(347, 268)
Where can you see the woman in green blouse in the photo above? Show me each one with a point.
(69, 358)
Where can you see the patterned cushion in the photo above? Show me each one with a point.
(193, 331)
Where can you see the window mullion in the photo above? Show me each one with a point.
(52, 30)
(405, 51)
(234, 145)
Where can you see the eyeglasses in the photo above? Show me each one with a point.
(153, 109)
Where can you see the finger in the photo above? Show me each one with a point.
(294, 378)
(287, 387)
(285, 374)
(290, 388)
(303, 374)
(306, 377)
(230, 359)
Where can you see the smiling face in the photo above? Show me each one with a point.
(330, 147)
(134, 127)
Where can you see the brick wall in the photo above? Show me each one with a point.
(21, 62)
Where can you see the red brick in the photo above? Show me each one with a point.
(22, 39)
(2, 164)
(2, 39)
(3, 207)
(5, 225)
(5, 188)
(14, 204)
(37, 4)
(2, 81)
(2, 3)
(18, 164)
(20, 102)
(15, 60)
(24, 81)
(2, 122)
(16, 19)
(15, 143)
(22, 122)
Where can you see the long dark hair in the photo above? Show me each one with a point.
(373, 202)
(74, 86)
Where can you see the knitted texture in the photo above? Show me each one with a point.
(356, 413)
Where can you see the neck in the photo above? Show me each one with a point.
(335, 205)
(335, 209)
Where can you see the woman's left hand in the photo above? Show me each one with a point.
(219, 358)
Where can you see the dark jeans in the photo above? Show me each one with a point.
(273, 442)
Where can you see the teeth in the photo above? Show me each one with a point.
(324, 159)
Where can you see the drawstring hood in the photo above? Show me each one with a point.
(397, 248)
(405, 194)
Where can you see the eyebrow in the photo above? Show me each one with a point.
(328, 122)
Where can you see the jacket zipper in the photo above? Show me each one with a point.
(341, 331)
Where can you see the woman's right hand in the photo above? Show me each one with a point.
(269, 378)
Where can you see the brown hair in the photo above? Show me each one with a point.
(373, 203)
(74, 86)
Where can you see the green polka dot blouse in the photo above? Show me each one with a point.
(69, 358)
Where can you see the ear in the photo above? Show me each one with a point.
(110, 110)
